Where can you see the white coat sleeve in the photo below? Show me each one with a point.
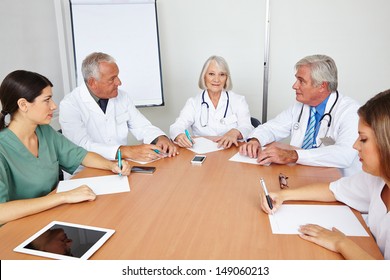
(140, 126)
(356, 190)
(275, 129)
(185, 120)
(243, 117)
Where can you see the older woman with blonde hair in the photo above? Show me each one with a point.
(216, 111)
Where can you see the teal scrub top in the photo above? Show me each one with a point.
(23, 176)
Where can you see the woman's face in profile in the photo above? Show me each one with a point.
(42, 108)
(366, 145)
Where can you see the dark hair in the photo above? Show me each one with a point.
(376, 114)
(20, 84)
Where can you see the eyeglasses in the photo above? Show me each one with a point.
(283, 181)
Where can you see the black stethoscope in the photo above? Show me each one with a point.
(204, 104)
(296, 125)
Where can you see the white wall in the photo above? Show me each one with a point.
(354, 32)
(190, 32)
(29, 40)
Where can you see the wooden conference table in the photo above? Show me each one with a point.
(184, 212)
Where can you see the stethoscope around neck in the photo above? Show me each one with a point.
(205, 105)
(297, 124)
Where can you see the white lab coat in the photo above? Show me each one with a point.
(85, 124)
(237, 116)
(343, 130)
(363, 193)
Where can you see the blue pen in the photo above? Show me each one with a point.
(158, 152)
(120, 161)
(189, 136)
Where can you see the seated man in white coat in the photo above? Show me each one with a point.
(98, 116)
(322, 123)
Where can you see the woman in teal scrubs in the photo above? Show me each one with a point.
(31, 151)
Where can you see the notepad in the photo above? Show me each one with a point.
(203, 145)
(100, 185)
(245, 159)
(289, 218)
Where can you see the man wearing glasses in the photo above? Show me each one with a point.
(322, 123)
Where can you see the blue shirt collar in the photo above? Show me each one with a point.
(321, 108)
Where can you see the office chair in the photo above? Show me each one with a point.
(255, 122)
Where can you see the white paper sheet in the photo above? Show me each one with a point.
(203, 145)
(288, 218)
(245, 159)
(100, 185)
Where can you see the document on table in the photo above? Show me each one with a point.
(289, 218)
(203, 145)
(245, 159)
(100, 185)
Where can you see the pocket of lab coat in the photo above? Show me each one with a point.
(229, 120)
(122, 118)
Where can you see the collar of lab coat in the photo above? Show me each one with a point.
(90, 103)
(324, 124)
(221, 102)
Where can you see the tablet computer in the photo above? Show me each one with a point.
(61, 240)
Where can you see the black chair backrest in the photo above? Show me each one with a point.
(255, 122)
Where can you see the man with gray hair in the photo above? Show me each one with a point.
(322, 123)
(98, 116)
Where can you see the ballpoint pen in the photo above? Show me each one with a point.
(120, 161)
(269, 201)
(188, 136)
(160, 153)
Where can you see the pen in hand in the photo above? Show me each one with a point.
(269, 200)
(188, 136)
(120, 161)
(160, 153)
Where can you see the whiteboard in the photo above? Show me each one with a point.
(127, 30)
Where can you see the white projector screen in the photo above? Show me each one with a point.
(126, 30)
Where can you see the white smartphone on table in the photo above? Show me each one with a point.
(198, 159)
